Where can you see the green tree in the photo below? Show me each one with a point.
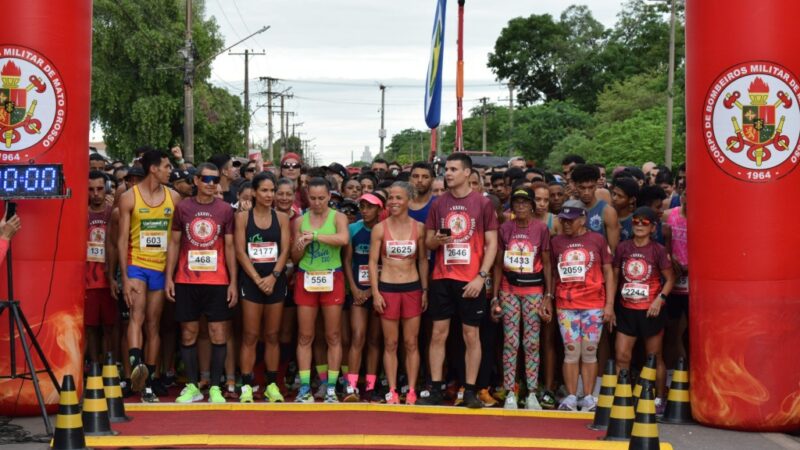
(137, 79)
(407, 145)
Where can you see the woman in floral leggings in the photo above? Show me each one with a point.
(523, 268)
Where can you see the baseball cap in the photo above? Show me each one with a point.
(372, 199)
(179, 174)
(339, 170)
(523, 193)
(135, 171)
(348, 205)
(646, 212)
(336, 194)
(572, 209)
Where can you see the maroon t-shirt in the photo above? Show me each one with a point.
(640, 272)
(468, 219)
(96, 249)
(578, 266)
(521, 249)
(201, 259)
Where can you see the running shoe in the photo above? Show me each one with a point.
(247, 394)
(351, 394)
(273, 393)
(330, 395)
(459, 397)
(169, 379)
(588, 403)
(471, 400)
(431, 397)
(159, 388)
(377, 397)
(570, 403)
(547, 399)
(125, 385)
(500, 394)
(661, 406)
(392, 398)
(511, 401)
(304, 394)
(411, 397)
(322, 391)
(230, 390)
(215, 395)
(532, 402)
(190, 394)
(148, 396)
(485, 398)
(139, 376)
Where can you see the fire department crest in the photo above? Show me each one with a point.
(751, 121)
(459, 224)
(33, 105)
(202, 231)
(636, 269)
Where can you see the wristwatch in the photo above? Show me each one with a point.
(663, 297)
(276, 274)
(483, 274)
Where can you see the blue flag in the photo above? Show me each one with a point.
(433, 82)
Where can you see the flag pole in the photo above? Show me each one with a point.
(459, 147)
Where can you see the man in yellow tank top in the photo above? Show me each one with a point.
(145, 218)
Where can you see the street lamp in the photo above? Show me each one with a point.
(670, 84)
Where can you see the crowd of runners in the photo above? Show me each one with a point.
(442, 283)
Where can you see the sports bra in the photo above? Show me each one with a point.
(393, 249)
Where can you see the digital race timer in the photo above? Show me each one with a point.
(20, 181)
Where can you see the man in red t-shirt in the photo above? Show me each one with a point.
(462, 228)
(201, 277)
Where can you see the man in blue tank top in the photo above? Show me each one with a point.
(422, 179)
(600, 216)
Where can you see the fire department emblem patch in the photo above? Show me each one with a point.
(33, 103)
(751, 121)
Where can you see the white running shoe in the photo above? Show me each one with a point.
(588, 403)
(532, 402)
(511, 401)
(570, 403)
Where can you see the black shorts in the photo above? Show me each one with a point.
(635, 323)
(445, 299)
(677, 306)
(249, 291)
(194, 300)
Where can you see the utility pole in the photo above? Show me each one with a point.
(188, 84)
(269, 119)
(247, 55)
(511, 117)
(483, 115)
(382, 131)
(670, 82)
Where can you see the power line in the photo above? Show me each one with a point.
(372, 85)
(239, 12)
(225, 16)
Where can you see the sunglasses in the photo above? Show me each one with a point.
(209, 179)
(644, 222)
(251, 170)
(291, 166)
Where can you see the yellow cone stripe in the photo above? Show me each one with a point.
(94, 405)
(605, 401)
(676, 395)
(644, 430)
(648, 373)
(608, 381)
(68, 398)
(622, 390)
(349, 440)
(622, 412)
(69, 421)
(364, 407)
(680, 376)
(637, 391)
(110, 372)
(112, 391)
(646, 407)
(94, 383)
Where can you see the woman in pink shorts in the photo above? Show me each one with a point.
(399, 242)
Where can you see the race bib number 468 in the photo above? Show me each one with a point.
(203, 260)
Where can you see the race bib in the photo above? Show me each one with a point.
(96, 252)
(363, 274)
(400, 249)
(519, 262)
(153, 235)
(262, 252)
(203, 260)
(682, 284)
(319, 281)
(572, 272)
(635, 292)
(457, 254)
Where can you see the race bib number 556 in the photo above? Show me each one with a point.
(319, 281)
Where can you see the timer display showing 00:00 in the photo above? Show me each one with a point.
(20, 181)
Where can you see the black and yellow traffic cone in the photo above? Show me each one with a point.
(69, 426)
(606, 399)
(644, 435)
(622, 415)
(112, 391)
(648, 375)
(679, 410)
(95, 409)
